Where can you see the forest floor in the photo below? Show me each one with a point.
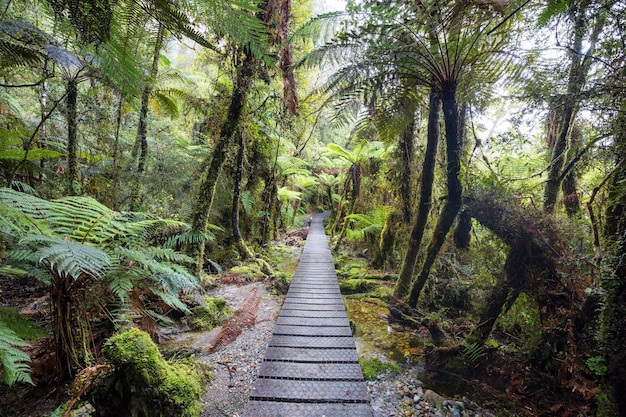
(234, 366)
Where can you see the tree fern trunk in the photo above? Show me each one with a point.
(569, 186)
(141, 142)
(355, 174)
(406, 146)
(72, 146)
(453, 203)
(426, 191)
(116, 147)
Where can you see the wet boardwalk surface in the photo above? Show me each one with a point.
(310, 367)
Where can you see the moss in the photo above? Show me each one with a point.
(144, 383)
(250, 270)
(357, 285)
(353, 269)
(212, 314)
(373, 367)
(24, 327)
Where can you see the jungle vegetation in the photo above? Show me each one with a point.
(471, 151)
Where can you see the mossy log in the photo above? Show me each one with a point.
(540, 264)
(142, 383)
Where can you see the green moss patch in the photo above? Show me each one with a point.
(145, 384)
(373, 367)
(212, 314)
(352, 269)
(357, 285)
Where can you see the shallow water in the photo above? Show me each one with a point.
(376, 338)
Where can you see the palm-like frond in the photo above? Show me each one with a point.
(238, 20)
(384, 52)
(166, 103)
(68, 258)
(21, 42)
(190, 238)
(367, 224)
(320, 29)
(284, 194)
(14, 361)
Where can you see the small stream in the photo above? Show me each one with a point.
(401, 345)
(376, 338)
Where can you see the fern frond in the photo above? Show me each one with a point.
(15, 367)
(168, 254)
(20, 43)
(166, 104)
(320, 29)
(190, 238)
(173, 301)
(285, 194)
(175, 278)
(121, 284)
(68, 258)
(237, 19)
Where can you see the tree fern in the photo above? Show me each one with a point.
(14, 362)
(68, 258)
(190, 238)
(77, 238)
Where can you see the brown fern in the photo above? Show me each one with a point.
(245, 316)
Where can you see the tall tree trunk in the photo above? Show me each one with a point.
(244, 251)
(406, 146)
(141, 142)
(503, 296)
(116, 148)
(355, 174)
(569, 186)
(613, 329)
(455, 190)
(43, 101)
(200, 220)
(403, 283)
(579, 67)
(72, 146)
(387, 240)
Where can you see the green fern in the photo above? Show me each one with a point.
(473, 351)
(68, 258)
(14, 362)
(77, 238)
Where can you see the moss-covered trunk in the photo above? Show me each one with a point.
(355, 175)
(403, 283)
(241, 246)
(453, 203)
(580, 61)
(540, 264)
(613, 331)
(141, 141)
(406, 147)
(241, 87)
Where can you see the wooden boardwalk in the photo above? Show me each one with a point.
(310, 368)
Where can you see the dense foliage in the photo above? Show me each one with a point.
(472, 151)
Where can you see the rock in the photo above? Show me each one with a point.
(432, 397)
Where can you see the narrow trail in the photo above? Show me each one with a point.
(311, 367)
